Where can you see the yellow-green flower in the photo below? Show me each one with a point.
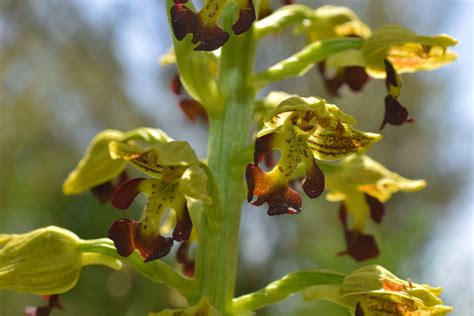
(362, 185)
(174, 177)
(303, 130)
(374, 291)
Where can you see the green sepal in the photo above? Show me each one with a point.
(193, 184)
(406, 50)
(165, 159)
(362, 174)
(98, 167)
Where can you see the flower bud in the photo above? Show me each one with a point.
(44, 261)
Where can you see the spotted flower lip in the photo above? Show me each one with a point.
(176, 176)
(203, 24)
(362, 185)
(303, 130)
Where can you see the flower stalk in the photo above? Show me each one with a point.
(228, 137)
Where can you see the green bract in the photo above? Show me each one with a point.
(98, 167)
(45, 261)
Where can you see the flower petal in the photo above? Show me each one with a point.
(193, 110)
(377, 208)
(280, 198)
(359, 246)
(126, 193)
(203, 25)
(127, 237)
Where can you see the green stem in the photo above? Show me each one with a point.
(284, 287)
(157, 270)
(228, 137)
(302, 61)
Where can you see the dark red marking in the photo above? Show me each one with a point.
(359, 246)
(126, 193)
(182, 256)
(184, 225)
(53, 302)
(280, 199)
(313, 185)
(391, 75)
(395, 113)
(263, 146)
(377, 208)
(193, 110)
(176, 85)
(127, 237)
(185, 21)
(355, 77)
(246, 18)
(105, 191)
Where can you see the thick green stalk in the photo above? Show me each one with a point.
(228, 138)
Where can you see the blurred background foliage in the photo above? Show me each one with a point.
(69, 69)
